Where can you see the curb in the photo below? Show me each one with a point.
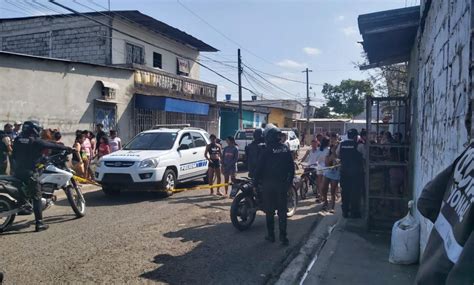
(325, 255)
(310, 250)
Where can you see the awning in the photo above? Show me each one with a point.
(110, 85)
(170, 105)
(389, 35)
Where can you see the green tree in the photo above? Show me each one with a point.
(322, 112)
(347, 98)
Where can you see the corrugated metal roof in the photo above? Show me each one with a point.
(143, 20)
(389, 35)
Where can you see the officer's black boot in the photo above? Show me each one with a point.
(38, 210)
(282, 227)
(270, 227)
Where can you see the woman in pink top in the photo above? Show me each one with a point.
(87, 149)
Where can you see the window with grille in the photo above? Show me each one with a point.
(134, 54)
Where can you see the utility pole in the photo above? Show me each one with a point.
(307, 71)
(239, 61)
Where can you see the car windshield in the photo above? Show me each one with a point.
(247, 135)
(152, 141)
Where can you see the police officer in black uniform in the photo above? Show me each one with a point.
(254, 150)
(27, 150)
(275, 170)
(352, 175)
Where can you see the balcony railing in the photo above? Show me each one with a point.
(157, 82)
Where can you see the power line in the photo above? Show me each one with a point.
(221, 33)
(251, 85)
(280, 77)
(272, 84)
(264, 86)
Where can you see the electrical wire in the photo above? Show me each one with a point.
(272, 84)
(281, 77)
(221, 33)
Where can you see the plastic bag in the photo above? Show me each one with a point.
(405, 245)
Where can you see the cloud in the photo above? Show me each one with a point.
(350, 30)
(288, 63)
(312, 51)
(340, 18)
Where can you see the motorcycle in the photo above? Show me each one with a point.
(51, 174)
(248, 200)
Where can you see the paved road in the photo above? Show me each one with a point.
(139, 238)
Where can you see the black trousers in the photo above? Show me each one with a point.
(33, 192)
(275, 198)
(351, 192)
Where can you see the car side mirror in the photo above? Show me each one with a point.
(183, 147)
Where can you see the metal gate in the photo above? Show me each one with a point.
(386, 168)
(146, 119)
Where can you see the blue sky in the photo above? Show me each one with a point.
(277, 37)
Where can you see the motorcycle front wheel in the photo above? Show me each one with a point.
(292, 201)
(76, 199)
(5, 206)
(242, 211)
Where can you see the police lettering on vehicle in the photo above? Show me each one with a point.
(192, 165)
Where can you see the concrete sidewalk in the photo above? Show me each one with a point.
(341, 251)
(351, 255)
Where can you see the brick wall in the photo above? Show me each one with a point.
(73, 38)
(441, 92)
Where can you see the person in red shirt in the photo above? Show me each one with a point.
(104, 148)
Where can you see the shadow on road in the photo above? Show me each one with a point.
(223, 255)
(19, 227)
(99, 199)
(204, 202)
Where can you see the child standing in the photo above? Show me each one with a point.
(230, 156)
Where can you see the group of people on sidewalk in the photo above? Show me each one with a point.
(332, 161)
(90, 147)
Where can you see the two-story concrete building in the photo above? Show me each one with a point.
(164, 87)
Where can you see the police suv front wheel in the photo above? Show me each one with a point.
(168, 182)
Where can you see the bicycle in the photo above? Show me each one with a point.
(308, 178)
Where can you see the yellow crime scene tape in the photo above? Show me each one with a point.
(200, 187)
(83, 180)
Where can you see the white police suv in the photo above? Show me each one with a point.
(155, 160)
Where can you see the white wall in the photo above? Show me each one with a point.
(60, 94)
(169, 60)
(440, 74)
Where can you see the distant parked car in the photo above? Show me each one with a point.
(292, 140)
(243, 138)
